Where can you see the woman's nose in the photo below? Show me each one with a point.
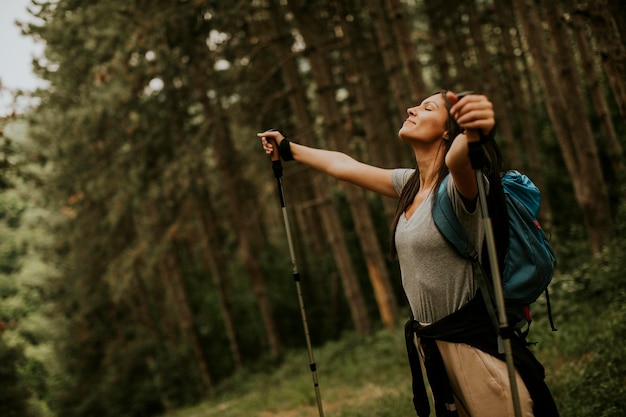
(411, 111)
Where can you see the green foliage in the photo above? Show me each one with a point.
(590, 302)
(592, 384)
(357, 377)
(25, 331)
(14, 395)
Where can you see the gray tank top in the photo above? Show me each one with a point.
(437, 281)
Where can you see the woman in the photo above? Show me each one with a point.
(438, 283)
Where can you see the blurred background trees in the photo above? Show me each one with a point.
(143, 257)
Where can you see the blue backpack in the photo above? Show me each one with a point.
(529, 261)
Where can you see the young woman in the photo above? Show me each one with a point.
(464, 368)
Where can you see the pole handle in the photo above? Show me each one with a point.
(275, 154)
(277, 167)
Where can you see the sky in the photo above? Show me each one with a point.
(16, 52)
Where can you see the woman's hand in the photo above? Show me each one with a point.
(473, 112)
(270, 139)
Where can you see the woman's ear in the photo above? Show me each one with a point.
(446, 136)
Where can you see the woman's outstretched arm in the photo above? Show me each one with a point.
(336, 164)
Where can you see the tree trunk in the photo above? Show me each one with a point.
(239, 196)
(438, 38)
(336, 237)
(614, 148)
(491, 87)
(402, 32)
(596, 203)
(377, 269)
(331, 226)
(581, 162)
(244, 221)
(387, 47)
(170, 274)
(368, 113)
(518, 107)
(611, 44)
(211, 254)
(460, 58)
(147, 294)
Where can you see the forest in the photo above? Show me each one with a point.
(144, 264)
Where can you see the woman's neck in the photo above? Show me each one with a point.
(429, 161)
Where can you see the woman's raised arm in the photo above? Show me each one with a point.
(475, 114)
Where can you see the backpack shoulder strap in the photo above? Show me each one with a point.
(448, 224)
(450, 228)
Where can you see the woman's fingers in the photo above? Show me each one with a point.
(474, 112)
(269, 139)
(272, 135)
(267, 146)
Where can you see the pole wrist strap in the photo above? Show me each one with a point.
(284, 148)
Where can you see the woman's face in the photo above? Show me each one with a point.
(426, 122)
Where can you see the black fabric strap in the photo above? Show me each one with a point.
(476, 154)
(471, 325)
(420, 397)
(284, 149)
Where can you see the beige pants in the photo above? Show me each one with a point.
(480, 383)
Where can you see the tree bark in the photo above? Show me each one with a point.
(578, 149)
(438, 37)
(376, 267)
(387, 47)
(491, 87)
(245, 223)
(518, 105)
(170, 274)
(331, 226)
(402, 33)
(611, 45)
(336, 238)
(211, 254)
(369, 115)
(238, 195)
(597, 206)
(614, 148)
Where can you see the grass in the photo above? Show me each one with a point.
(357, 377)
(585, 361)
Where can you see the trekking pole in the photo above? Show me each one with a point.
(477, 159)
(278, 174)
(504, 331)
